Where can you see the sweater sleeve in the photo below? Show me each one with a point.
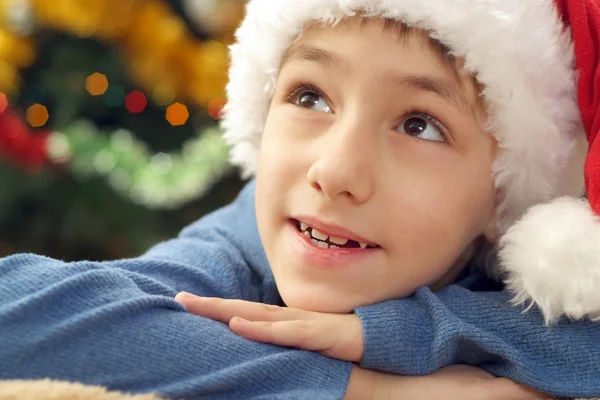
(115, 324)
(420, 334)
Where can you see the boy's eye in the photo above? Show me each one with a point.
(313, 101)
(422, 126)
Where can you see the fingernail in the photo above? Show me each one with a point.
(182, 296)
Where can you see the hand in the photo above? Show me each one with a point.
(467, 382)
(456, 382)
(334, 335)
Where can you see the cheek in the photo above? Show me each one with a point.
(459, 188)
(285, 148)
(478, 188)
(426, 225)
(465, 201)
(277, 172)
(437, 213)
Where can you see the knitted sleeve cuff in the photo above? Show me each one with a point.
(397, 337)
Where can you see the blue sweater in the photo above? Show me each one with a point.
(115, 324)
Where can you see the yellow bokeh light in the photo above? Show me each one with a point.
(96, 84)
(37, 115)
(177, 114)
(163, 94)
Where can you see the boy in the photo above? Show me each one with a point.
(374, 179)
(353, 136)
(401, 161)
(327, 169)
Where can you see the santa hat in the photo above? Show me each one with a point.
(551, 256)
(523, 53)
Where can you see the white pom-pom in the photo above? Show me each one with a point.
(552, 259)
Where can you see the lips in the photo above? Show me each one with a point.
(331, 236)
(309, 252)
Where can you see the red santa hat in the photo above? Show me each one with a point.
(529, 56)
(551, 256)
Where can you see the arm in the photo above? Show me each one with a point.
(116, 324)
(421, 334)
(335, 335)
(95, 325)
(455, 382)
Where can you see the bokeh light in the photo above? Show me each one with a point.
(114, 96)
(177, 114)
(135, 102)
(163, 94)
(215, 107)
(3, 102)
(96, 84)
(37, 115)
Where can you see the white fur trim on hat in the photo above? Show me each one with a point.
(551, 259)
(519, 51)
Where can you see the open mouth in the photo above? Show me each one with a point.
(325, 241)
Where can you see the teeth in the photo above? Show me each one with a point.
(337, 240)
(319, 235)
(319, 238)
(322, 245)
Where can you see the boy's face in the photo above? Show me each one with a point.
(374, 138)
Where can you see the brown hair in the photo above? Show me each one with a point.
(402, 30)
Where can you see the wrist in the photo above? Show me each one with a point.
(374, 385)
(362, 384)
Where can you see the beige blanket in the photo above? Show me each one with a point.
(54, 390)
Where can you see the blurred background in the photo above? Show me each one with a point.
(109, 137)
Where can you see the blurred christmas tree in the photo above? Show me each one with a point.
(109, 139)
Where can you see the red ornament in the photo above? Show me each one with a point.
(20, 144)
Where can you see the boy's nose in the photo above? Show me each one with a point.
(344, 165)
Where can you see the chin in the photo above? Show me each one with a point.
(319, 301)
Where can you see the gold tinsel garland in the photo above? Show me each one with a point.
(166, 60)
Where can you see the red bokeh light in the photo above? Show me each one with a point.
(3, 102)
(135, 102)
(215, 107)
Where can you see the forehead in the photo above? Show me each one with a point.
(400, 30)
(435, 55)
(403, 32)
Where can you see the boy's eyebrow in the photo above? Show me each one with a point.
(304, 52)
(445, 89)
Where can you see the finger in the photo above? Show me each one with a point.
(301, 334)
(224, 310)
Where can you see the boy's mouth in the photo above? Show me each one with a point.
(325, 241)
